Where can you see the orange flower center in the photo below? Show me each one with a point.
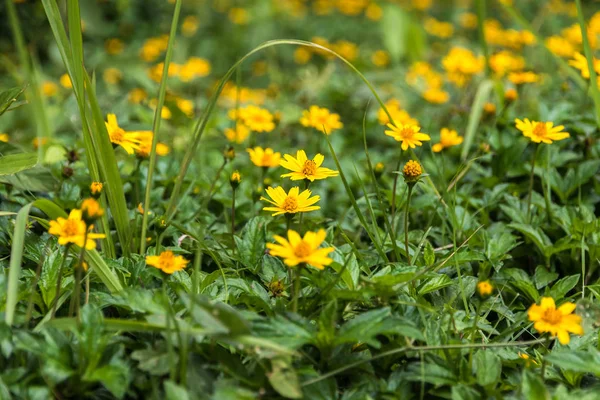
(71, 228)
(407, 133)
(266, 160)
(552, 316)
(302, 250)
(290, 204)
(166, 260)
(116, 136)
(309, 168)
(540, 129)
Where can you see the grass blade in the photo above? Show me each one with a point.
(156, 125)
(589, 55)
(481, 97)
(16, 255)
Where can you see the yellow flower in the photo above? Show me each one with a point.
(437, 28)
(153, 47)
(112, 76)
(96, 188)
(37, 142)
(255, 118)
(194, 67)
(4, 137)
(409, 135)
(72, 230)
(421, 4)
(346, 49)
(519, 78)
(412, 171)
(560, 46)
(511, 95)
(374, 12)
(49, 88)
(114, 46)
(137, 95)
(302, 55)
(238, 16)
(399, 115)
(167, 262)
(321, 119)
(559, 322)
(264, 158)
(165, 113)
(91, 210)
(528, 360)
(235, 178)
(541, 132)
(461, 64)
(489, 108)
(448, 138)
(190, 25)
(237, 135)
(580, 63)
(484, 288)
(65, 81)
(302, 250)
(292, 202)
(303, 168)
(380, 58)
(129, 141)
(186, 106)
(436, 96)
(145, 147)
(468, 20)
(504, 62)
(155, 72)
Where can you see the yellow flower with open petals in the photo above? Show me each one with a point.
(409, 135)
(237, 134)
(167, 262)
(399, 115)
(321, 119)
(254, 118)
(145, 147)
(130, 141)
(303, 168)
(292, 202)
(519, 78)
(73, 230)
(448, 138)
(559, 322)
(302, 250)
(541, 132)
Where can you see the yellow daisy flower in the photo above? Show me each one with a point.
(303, 168)
(409, 135)
(255, 118)
(559, 322)
(237, 134)
(448, 138)
(484, 288)
(541, 132)
(167, 262)
(129, 141)
(73, 229)
(302, 250)
(145, 147)
(264, 157)
(292, 202)
(321, 119)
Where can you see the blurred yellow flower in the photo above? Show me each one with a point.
(439, 29)
(186, 106)
(421, 4)
(409, 135)
(461, 64)
(504, 62)
(154, 47)
(37, 142)
(303, 168)
(484, 288)
(580, 62)
(436, 96)
(264, 157)
(65, 81)
(4, 137)
(374, 12)
(49, 88)
(468, 20)
(155, 72)
(237, 135)
(96, 188)
(321, 119)
(165, 113)
(489, 108)
(559, 322)
(292, 202)
(448, 138)
(541, 132)
(238, 16)
(519, 78)
(137, 95)
(114, 46)
(254, 118)
(560, 46)
(380, 58)
(399, 115)
(190, 25)
(346, 49)
(302, 55)
(73, 230)
(91, 210)
(112, 76)
(129, 141)
(351, 7)
(194, 67)
(167, 262)
(297, 250)
(145, 147)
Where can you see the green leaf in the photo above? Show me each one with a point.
(435, 284)
(153, 361)
(13, 163)
(578, 361)
(429, 254)
(488, 366)
(562, 286)
(251, 245)
(543, 277)
(175, 392)
(115, 377)
(283, 379)
(521, 281)
(537, 236)
(463, 392)
(8, 97)
(533, 387)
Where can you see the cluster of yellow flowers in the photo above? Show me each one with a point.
(496, 35)
(252, 118)
(231, 95)
(321, 119)
(461, 65)
(428, 82)
(194, 67)
(570, 41)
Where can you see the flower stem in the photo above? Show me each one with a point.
(297, 284)
(233, 219)
(74, 307)
(397, 172)
(410, 190)
(537, 148)
(59, 279)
